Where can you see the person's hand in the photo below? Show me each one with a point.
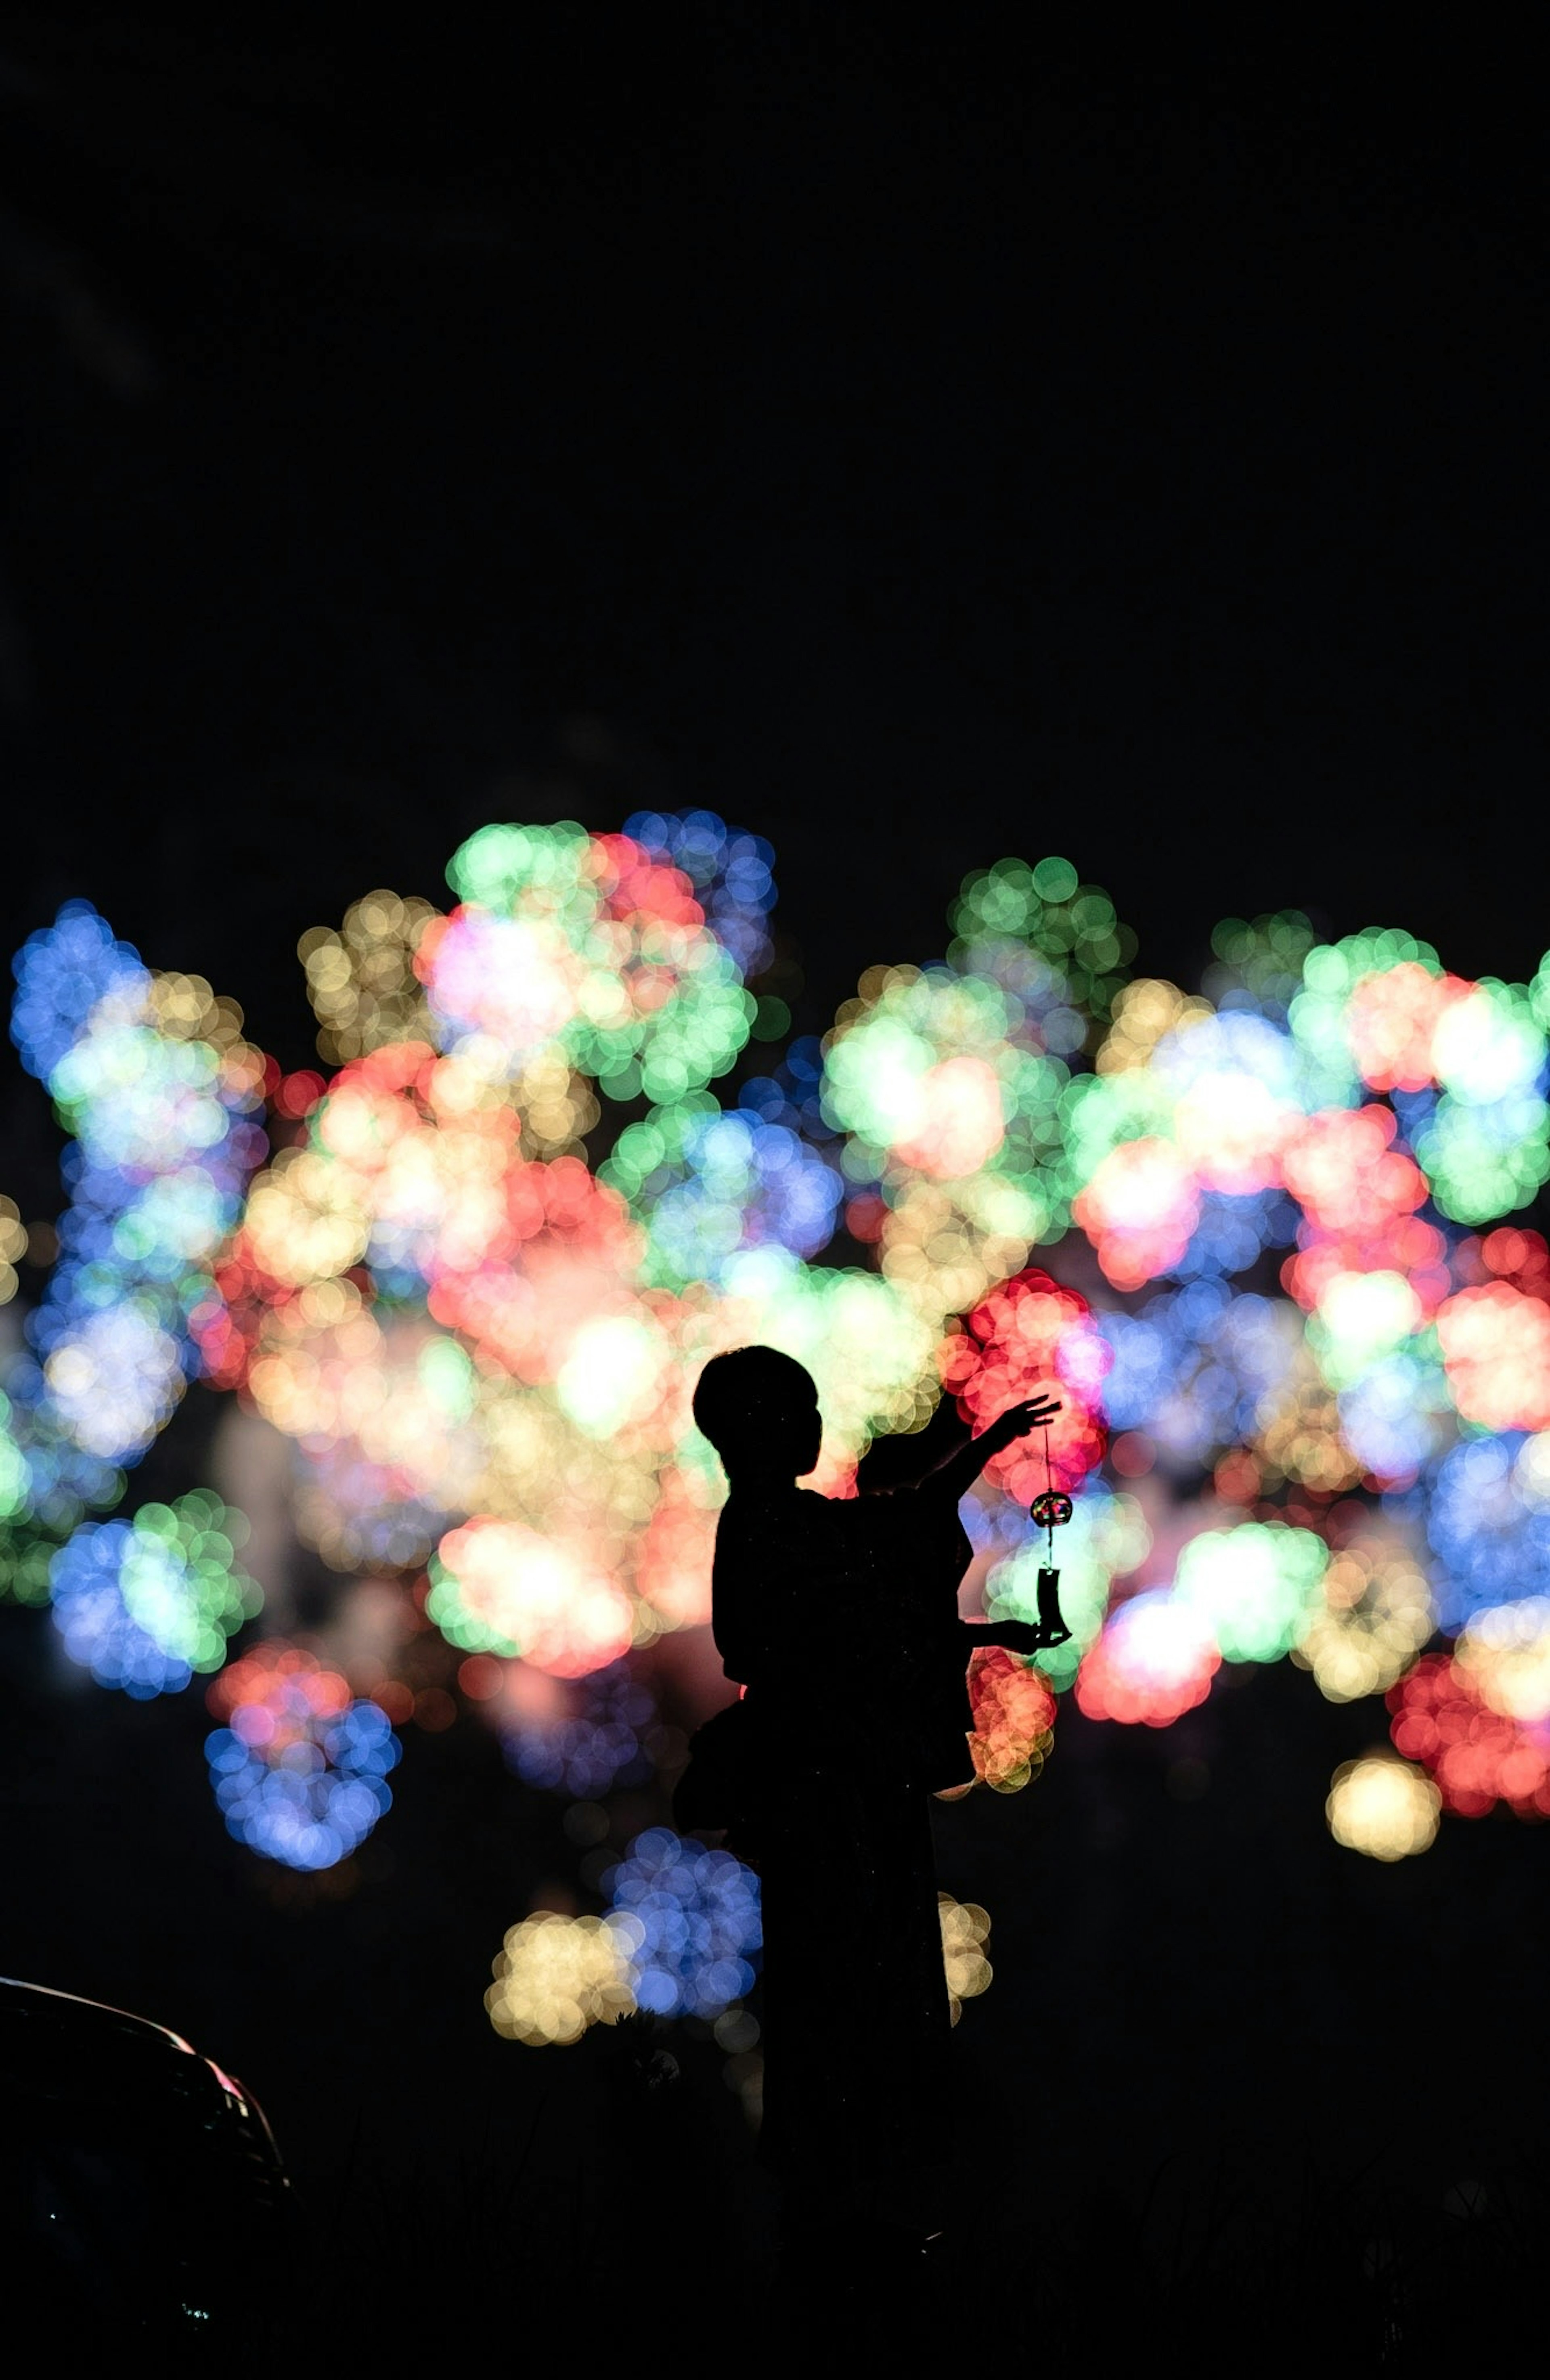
(1018, 1636)
(1016, 1422)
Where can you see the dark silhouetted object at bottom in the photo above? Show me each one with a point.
(140, 2189)
(839, 1616)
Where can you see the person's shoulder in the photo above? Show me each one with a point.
(750, 1519)
(843, 1515)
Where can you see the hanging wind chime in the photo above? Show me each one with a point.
(1050, 1512)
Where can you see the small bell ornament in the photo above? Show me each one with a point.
(1050, 1512)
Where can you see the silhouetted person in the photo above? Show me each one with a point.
(840, 1618)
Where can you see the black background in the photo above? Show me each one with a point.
(916, 445)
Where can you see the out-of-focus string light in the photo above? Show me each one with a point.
(1383, 1807)
(300, 1768)
(697, 1916)
(146, 1604)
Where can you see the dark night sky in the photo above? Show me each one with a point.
(916, 445)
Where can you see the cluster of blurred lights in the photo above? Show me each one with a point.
(1155, 1660)
(1378, 1615)
(1029, 1339)
(1451, 1716)
(1044, 930)
(13, 1247)
(732, 874)
(1200, 1369)
(556, 1975)
(603, 1748)
(145, 1604)
(694, 1915)
(476, 1280)
(965, 1930)
(1383, 1807)
(152, 1079)
(712, 1184)
(362, 980)
(1487, 1513)
(301, 1766)
(590, 945)
(1013, 1711)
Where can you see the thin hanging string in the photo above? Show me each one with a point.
(1049, 1489)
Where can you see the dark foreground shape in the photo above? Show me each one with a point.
(142, 2198)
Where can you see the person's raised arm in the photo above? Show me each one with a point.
(952, 1479)
(1018, 1636)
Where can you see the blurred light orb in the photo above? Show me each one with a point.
(555, 1976)
(1487, 1514)
(696, 1913)
(475, 1276)
(1155, 1660)
(300, 1768)
(1504, 1651)
(1377, 1616)
(1252, 1586)
(1479, 1753)
(498, 1586)
(1383, 1807)
(1013, 1708)
(1031, 1338)
(1495, 1344)
(1140, 1209)
(965, 1930)
(601, 1748)
(146, 1604)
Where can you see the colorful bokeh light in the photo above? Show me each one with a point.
(693, 1916)
(146, 1604)
(556, 1975)
(1383, 1807)
(1268, 1240)
(301, 1766)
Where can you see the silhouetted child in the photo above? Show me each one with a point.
(839, 1616)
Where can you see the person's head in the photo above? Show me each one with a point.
(759, 1409)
